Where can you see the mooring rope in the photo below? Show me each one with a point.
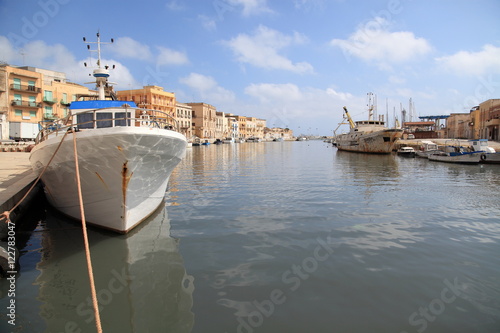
(6, 215)
(86, 240)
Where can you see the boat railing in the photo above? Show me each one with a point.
(106, 118)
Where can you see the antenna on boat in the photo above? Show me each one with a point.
(372, 104)
(101, 72)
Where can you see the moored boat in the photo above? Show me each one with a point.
(125, 155)
(489, 154)
(367, 136)
(426, 148)
(456, 154)
(406, 152)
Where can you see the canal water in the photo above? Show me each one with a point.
(280, 237)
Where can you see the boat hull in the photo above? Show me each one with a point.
(467, 158)
(379, 142)
(124, 173)
(493, 158)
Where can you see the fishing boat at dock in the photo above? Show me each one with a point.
(456, 154)
(125, 154)
(367, 136)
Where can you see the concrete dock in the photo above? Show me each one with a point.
(16, 176)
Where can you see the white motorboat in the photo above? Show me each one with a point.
(406, 152)
(228, 140)
(125, 155)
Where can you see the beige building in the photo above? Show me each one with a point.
(34, 95)
(489, 119)
(278, 133)
(184, 117)
(457, 126)
(204, 120)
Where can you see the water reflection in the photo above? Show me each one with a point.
(141, 282)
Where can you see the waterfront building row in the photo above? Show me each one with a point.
(31, 96)
(482, 122)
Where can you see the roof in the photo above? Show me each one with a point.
(99, 104)
(419, 123)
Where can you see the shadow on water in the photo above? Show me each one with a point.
(140, 279)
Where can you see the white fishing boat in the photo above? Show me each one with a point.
(367, 136)
(125, 154)
(427, 148)
(456, 154)
(489, 154)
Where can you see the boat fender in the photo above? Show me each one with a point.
(483, 157)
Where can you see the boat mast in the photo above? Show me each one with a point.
(372, 100)
(101, 73)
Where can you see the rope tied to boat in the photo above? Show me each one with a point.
(6, 215)
(86, 240)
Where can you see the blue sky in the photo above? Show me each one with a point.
(295, 63)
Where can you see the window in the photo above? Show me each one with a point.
(17, 97)
(17, 84)
(47, 95)
(33, 114)
(65, 98)
(32, 101)
(18, 113)
(31, 85)
(48, 112)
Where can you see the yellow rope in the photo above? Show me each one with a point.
(86, 241)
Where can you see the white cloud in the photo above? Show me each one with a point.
(473, 63)
(171, 57)
(175, 5)
(289, 104)
(374, 42)
(270, 92)
(251, 7)
(58, 58)
(7, 52)
(261, 50)
(207, 22)
(126, 47)
(207, 88)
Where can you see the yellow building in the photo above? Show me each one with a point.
(204, 120)
(150, 97)
(33, 95)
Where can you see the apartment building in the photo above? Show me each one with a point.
(34, 95)
(184, 117)
(204, 120)
(150, 97)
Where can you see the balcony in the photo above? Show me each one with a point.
(26, 88)
(493, 122)
(50, 116)
(49, 101)
(26, 104)
(64, 103)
